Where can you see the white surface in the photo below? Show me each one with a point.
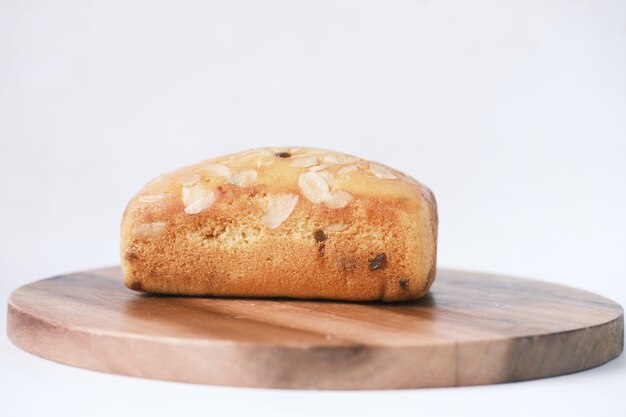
(513, 112)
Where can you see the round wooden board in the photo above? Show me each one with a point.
(471, 329)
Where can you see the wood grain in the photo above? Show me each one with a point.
(471, 329)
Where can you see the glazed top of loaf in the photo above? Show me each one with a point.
(319, 176)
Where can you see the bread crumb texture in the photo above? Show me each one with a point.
(282, 222)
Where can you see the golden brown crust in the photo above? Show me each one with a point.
(366, 232)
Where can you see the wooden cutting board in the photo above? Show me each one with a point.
(471, 329)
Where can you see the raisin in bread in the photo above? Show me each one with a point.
(282, 222)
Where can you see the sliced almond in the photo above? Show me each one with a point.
(279, 209)
(243, 157)
(188, 180)
(336, 227)
(319, 167)
(328, 177)
(305, 162)
(346, 169)
(150, 230)
(316, 188)
(244, 178)
(338, 199)
(313, 186)
(263, 162)
(219, 169)
(157, 179)
(339, 159)
(152, 198)
(264, 157)
(197, 199)
(380, 171)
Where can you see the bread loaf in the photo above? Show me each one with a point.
(282, 222)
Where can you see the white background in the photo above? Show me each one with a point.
(513, 112)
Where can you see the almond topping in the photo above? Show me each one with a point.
(219, 169)
(313, 186)
(305, 162)
(346, 169)
(338, 200)
(157, 179)
(188, 180)
(244, 178)
(150, 230)
(264, 162)
(328, 177)
(316, 188)
(279, 209)
(246, 157)
(339, 159)
(381, 172)
(151, 198)
(318, 167)
(197, 199)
